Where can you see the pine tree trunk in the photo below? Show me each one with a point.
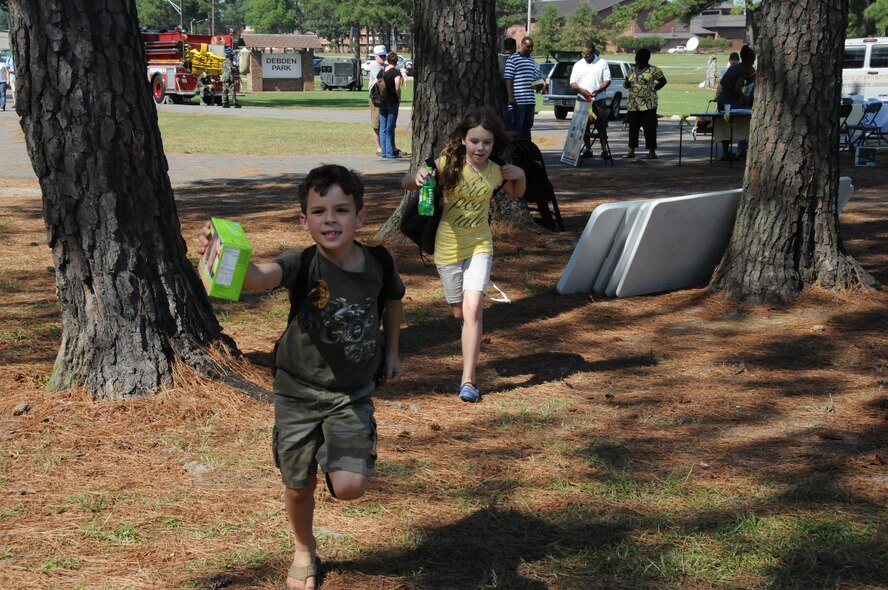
(455, 67)
(131, 303)
(786, 234)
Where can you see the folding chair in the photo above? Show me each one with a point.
(539, 194)
(703, 125)
(867, 128)
(596, 130)
(844, 133)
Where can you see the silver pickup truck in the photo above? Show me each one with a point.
(559, 95)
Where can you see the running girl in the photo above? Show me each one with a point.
(464, 245)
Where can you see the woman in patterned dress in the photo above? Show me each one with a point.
(643, 83)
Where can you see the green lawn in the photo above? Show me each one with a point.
(200, 133)
(681, 95)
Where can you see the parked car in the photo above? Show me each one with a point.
(340, 73)
(365, 67)
(558, 93)
(678, 49)
(544, 69)
(865, 68)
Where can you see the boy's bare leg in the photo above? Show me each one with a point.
(472, 306)
(348, 485)
(300, 505)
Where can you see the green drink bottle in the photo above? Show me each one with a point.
(427, 195)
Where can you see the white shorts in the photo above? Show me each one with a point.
(471, 274)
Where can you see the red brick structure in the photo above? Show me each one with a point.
(281, 56)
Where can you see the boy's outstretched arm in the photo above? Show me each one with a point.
(391, 331)
(259, 277)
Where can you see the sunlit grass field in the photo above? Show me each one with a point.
(199, 133)
(681, 95)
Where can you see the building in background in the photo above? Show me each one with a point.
(280, 62)
(716, 22)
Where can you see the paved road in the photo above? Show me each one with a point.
(15, 167)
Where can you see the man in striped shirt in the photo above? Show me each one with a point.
(521, 74)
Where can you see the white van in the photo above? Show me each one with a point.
(865, 68)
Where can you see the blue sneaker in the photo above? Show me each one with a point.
(468, 392)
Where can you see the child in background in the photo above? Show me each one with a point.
(464, 244)
(328, 356)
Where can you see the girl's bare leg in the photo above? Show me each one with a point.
(472, 306)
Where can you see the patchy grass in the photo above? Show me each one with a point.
(677, 441)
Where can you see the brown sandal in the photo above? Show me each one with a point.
(304, 572)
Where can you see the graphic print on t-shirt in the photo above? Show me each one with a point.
(337, 321)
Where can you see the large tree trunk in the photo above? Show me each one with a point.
(455, 68)
(786, 235)
(131, 302)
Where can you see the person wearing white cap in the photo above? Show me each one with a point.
(376, 68)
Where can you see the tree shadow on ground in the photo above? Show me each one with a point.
(545, 367)
(486, 549)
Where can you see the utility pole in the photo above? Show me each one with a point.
(179, 10)
(528, 18)
(213, 19)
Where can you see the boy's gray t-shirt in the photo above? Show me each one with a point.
(334, 342)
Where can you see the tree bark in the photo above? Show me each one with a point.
(455, 68)
(786, 235)
(131, 303)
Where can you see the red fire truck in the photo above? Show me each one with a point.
(175, 60)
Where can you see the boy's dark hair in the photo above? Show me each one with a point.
(324, 177)
(510, 45)
(747, 54)
(734, 55)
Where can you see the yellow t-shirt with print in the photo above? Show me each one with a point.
(464, 231)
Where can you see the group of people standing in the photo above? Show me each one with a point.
(590, 78)
(203, 88)
(384, 118)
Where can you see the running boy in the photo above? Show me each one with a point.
(329, 355)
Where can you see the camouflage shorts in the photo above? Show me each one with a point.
(317, 427)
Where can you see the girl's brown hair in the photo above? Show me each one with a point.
(454, 151)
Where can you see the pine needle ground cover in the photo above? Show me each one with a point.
(671, 441)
